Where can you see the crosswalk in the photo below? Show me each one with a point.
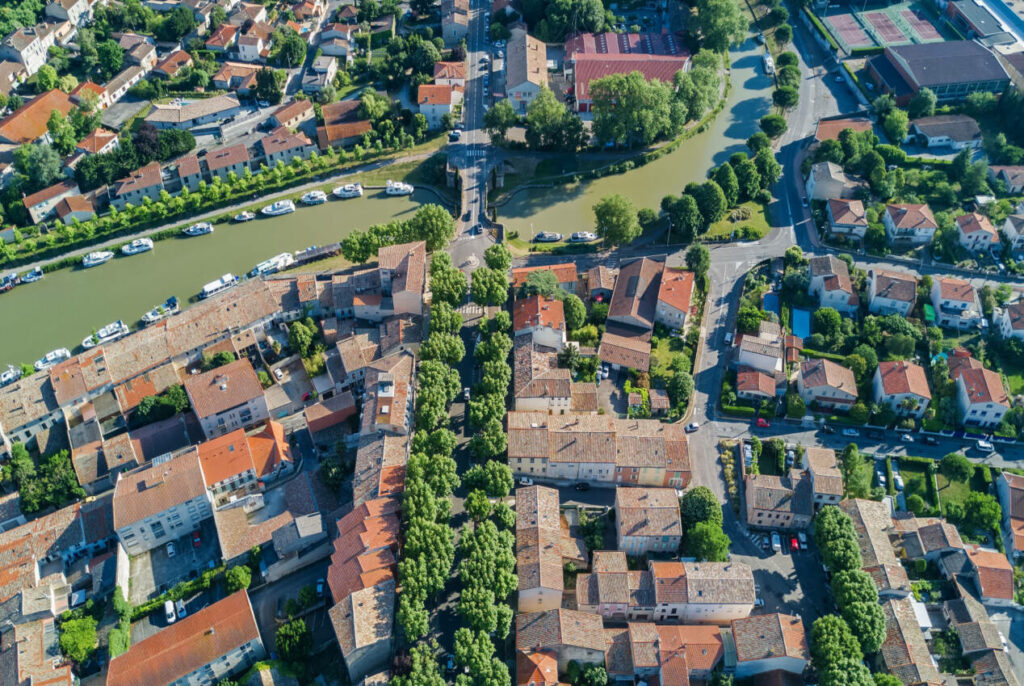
(476, 153)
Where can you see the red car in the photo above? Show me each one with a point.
(195, 539)
(794, 544)
(762, 423)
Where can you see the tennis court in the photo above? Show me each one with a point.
(849, 30)
(918, 21)
(899, 24)
(886, 28)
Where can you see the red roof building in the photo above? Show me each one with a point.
(27, 123)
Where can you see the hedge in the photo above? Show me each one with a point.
(866, 51)
(822, 30)
(810, 352)
(928, 465)
(849, 70)
(738, 411)
(890, 484)
(182, 590)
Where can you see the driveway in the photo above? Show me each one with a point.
(268, 598)
(153, 572)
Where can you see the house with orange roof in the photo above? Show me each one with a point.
(541, 318)
(435, 101)
(403, 276)
(210, 645)
(342, 125)
(956, 303)
(992, 574)
(255, 43)
(169, 66)
(674, 298)
(27, 124)
(903, 386)
(283, 145)
(752, 384)
(145, 182)
(236, 76)
(765, 643)
(981, 397)
(227, 398)
(291, 114)
(450, 73)
(564, 273)
(909, 222)
(236, 462)
(223, 38)
(98, 142)
(977, 234)
(690, 651)
(846, 217)
(891, 292)
(826, 384)
(1010, 488)
(223, 161)
(86, 89)
(75, 207)
(42, 204)
(536, 668)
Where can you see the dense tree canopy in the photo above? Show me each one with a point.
(616, 220)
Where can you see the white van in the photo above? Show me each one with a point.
(169, 611)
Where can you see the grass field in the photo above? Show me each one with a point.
(956, 491)
(914, 476)
(757, 222)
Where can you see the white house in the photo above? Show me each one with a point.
(454, 21)
(227, 398)
(955, 131)
(1010, 320)
(75, 11)
(1012, 176)
(436, 101)
(891, 292)
(977, 233)
(827, 384)
(827, 180)
(956, 303)
(830, 284)
(42, 204)
(450, 73)
(29, 46)
(674, 298)
(1010, 488)
(526, 69)
(903, 386)
(145, 182)
(912, 223)
(701, 592)
(766, 643)
(542, 318)
(763, 352)
(846, 217)
(980, 397)
(1013, 229)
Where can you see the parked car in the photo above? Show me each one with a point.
(985, 446)
(196, 540)
(906, 438)
(762, 423)
(278, 374)
(794, 545)
(171, 550)
(525, 481)
(728, 337)
(776, 541)
(851, 432)
(449, 663)
(930, 440)
(454, 136)
(319, 588)
(691, 427)
(802, 537)
(766, 542)
(169, 612)
(465, 394)
(582, 486)
(180, 607)
(897, 480)
(758, 602)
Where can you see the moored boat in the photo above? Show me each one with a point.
(94, 259)
(10, 376)
(110, 332)
(398, 188)
(278, 208)
(314, 198)
(166, 309)
(8, 281)
(52, 358)
(137, 246)
(244, 216)
(349, 190)
(273, 264)
(222, 284)
(35, 275)
(200, 229)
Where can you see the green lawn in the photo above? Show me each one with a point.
(757, 222)
(914, 475)
(663, 347)
(956, 491)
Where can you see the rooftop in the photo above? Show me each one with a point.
(769, 636)
(156, 487)
(900, 377)
(223, 388)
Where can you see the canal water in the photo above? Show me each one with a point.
(565, 209)
(69, 304)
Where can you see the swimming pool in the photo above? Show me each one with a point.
(801, 323)
(771, 303)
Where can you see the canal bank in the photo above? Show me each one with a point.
(566, 208)
(69, 304)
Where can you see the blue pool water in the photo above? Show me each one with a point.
(771, 303)
(801, 323)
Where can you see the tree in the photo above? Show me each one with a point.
(726, 179)
(796, 408)
(489, 287)
(498, 257)
(499, 119)
(773, 125)
(711, 202)
(767, 167)
(630, 110)
(443, 347)
(424, 669)
(916, 504)
(721, 23)
(707, 542)
(760, 139)
(268, 85)
(39, 163)
(46, 79)
(982, 510)
(867, 623)
(541, 282)
(698, 260)
(895, 126)
(786, 97)
(856, 472)
(956, 467)
(289, 48)
(300, 337)
(699, 504)
(294, 641)
(176, 25)
(78, 638)
(853, 586)
(882, 679)
(478, 506)
(832, 640)
(575, 311)
(783, 35)
(550, 126)
(615, 219)
(490, 441)
(445, 319)
(845, 672)
(447, 284)
(748, 179)
(685, 217)
(62, 134)
(237, 578)
(922, 104)
(433, 224)
(493, 478)
(828, 323)
(111, 57)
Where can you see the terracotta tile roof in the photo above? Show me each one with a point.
(63, 187)
(96, 141)
(28, 122)
(538, 538)
(227, 157)
(825, 470)
(238, 531)
(894, 285)
(536, 668)
(676, 289)
(156, 381)
(829, 129)
(537, 311)
(438, 94)
(555, 629)
(235, 453)
(956, 289)
(526, 61)
(73, 378)
(222, 37)
(752, 381)
(73, 203)
(904, 651)
(590, 67)
(626, 349)
(1013, 175)
(994, 669)
(847, 212)
(173, 63)
(872, 524)
(365, 549)
(187, 645)
(281, 140)
(223, 388)
(408, 261)
(601, 277)
(910, 216)
(449, 70)
(565, 273)
(156, 487)
(88, 86)
(834, 271)
(995, 575)
(648, 512)
(636, 291)
(822, 373)
(769, 636)
(140, 179)
(1015, 484)
(174, 114)
(984, 386)
(365, 618)
(701, 644)
(780, 493)
(293, 109)
(974, 223)
(901, 376)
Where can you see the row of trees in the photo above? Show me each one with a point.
(431, 223)
(701, 516)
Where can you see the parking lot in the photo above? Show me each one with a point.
(790, 582)
(153, 572)
(285, 396)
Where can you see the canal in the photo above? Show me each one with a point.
(69, 304)
(567, 208)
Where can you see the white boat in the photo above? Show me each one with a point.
(314, 198)
(33, 276)
(245, 216)
(349, 190)
(52, 358)
(273, 264)
(169, 307)
(398, 188)
(137, 246)
(278, 208)
(10, 376)
(582, 237)
(94, 259)
(110, 332)
(219, 286)
(200, 229)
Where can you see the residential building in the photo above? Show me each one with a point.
(912, 223)
(142, 55)
(993, 575)
(336, 41)
(1013, 229)
(403, 276)
(284, 146)
(956, 303)
(1012, 176)
(827, 180)
(342, 125)
(454, 21)
(118, 86)
(701, 592)
(224, 161)
(891, 292)
(615, 591)
(846, 217)
(600, 283)
(540, 385)
(635, 298)
(674, 296)
(435, 101)
(190, 115)
(255, 43)
(993, 668)
(904, 652)
(954, 131)
(12, 74)
(873, 525)
(145, 182)
(450, 74)
(970, 619)
(189, 171)
(542, 539)
(779, 502)
(169, 66)
(236, 76)
(28, 45)
(830, 284)
(977, 233)
(223, 39)
(526, 69)
(248, 11)
(227, 398)
(536, 668)
(28, 407)
(688, 653)
(590, 56)
(292, 114)
(647, 520)
(74, 207)
(564, 273)
(542, 318)
(569, 634)
(981, 398)
(763, 352)
(950, 69)
(826, 478)
(1010, 488)
(320, 74)
(202, 648)
(903, 386)
(160, 502)
(1010, 320)
(87, 90)
(42, 204)
(98, 142)
(826, 385)
(754, 385)
(75, 11)
(27, 124)
(598, 449)
(765, 643)
(236, 463)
